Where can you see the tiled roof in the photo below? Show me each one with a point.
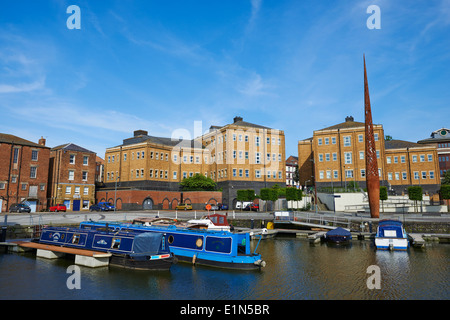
(71, 147)
(9, 138)
(397, 144)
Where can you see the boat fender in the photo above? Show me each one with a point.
(193, 259)
(260, 263)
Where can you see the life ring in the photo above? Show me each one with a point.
(199, 242)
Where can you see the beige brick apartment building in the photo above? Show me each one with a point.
(240, 155)
(338, 152)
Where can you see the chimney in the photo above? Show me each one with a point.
(349, 119)
(42, 141)
(140, 133)
(236, 119)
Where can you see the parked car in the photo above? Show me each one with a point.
(19, 207)
(222, 206)
(108, 205)
(58, 207)
(184, 206)
(252, 206)
(214, 207)
(98, 207)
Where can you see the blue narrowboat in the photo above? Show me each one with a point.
(222, 249)
(134, 250)
(391, 236)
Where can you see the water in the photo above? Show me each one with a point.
(295, 269)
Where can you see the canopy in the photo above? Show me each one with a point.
(339, 232)
(147, 243)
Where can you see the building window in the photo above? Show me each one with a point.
(85, 175)
(71, 174)
(257, 173)
(327, 141)
(320, 157)
(333, 140)
(33, 172)
(375, 136)
(72, 159)
(335, 174)
(327, 157)
(319, 141)
(124, 157)
(86, 191)
(360, 138)
(247, 173)
(34, 155)
(347, 141)
(416, 175)
(85, 160)
(397, 176)
(68, 190)
(234, 172)
(404, 177)
(363, 173)
(361, 155)
(430, 157)
(402, 159)
(424, 174)
(24, 186)
(257, 141)
(348, 157)
(388, 160)
(321, 174)
(334, 156)
(16, 155)
(395, 159)
(77, 190)
(349, 173)
(422, 158)
(257, 157)
(414, 158)
(174, 175)
(389, 175)
(431, 174)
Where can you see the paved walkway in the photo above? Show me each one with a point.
(77, 217)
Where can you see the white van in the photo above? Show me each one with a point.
(242, 205)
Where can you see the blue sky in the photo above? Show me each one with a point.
(161, 65)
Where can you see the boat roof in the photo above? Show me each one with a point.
(390, 223)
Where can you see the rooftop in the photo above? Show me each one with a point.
(71, 147)
(11, 139)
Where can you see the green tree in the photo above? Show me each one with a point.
(269, 194)
(383, 196)
(198, 182)
(415, 193)
(245, 195)
(445, 194)
(446, 177)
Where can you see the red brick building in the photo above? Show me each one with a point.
(23, 172)
(128, 199)
(72, 176)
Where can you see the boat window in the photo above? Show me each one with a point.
(170, 239)
(115, 243)
(390, 233)
(199, 242)
(76, 239)
(218, 244)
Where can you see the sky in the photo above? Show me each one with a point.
(161, 66)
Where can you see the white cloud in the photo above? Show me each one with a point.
(23, 87)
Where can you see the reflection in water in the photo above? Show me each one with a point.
(295, 270)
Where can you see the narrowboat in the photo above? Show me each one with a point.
(198, 246)
(134, 250)
(338, 236)
(391, 236)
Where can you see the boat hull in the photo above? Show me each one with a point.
(391, 243)
(158, 263)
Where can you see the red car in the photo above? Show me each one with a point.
(58, 207)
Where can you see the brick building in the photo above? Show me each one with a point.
(72, 173)
(335, 155)
(291, 166)
(23, 172)
(240, 155)
(441, 139)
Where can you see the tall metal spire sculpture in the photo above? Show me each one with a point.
(372, 179)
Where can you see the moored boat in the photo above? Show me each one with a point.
(198, 246)
(391, 236)
(134, 250)
(338, 236)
